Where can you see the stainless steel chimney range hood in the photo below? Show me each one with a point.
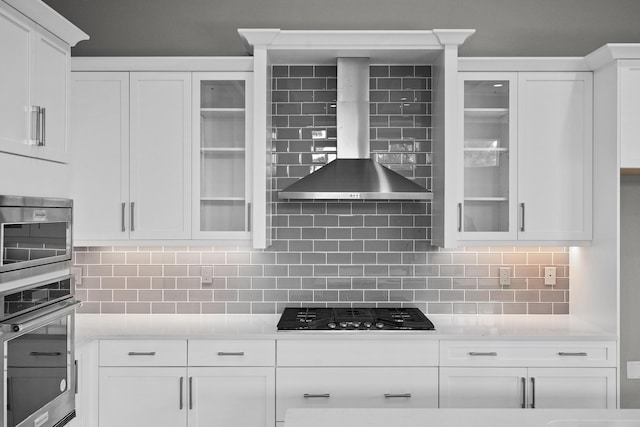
(353, 174)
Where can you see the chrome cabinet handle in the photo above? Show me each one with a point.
(579, 354)
(35, 125)
(190, 392)
(45, 353)
(75, 376)
(124, 205)
(43, 127)
(459, 216)
(142, 353)
(181, 384)
(249, 216)
(480, 353)
(533, 393)
(131, 226)
(395, 395)
(523, 380)
(231, 353)
(521, 216)
(314, 396)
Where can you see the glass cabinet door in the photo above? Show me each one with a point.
(222, 206)
(487, 209)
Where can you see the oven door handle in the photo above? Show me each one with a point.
(42, 316)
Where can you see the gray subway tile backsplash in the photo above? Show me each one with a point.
(332, 253)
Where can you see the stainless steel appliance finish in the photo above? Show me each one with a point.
(35, 236)
(353, 175)
(353, 318)
(38, 353)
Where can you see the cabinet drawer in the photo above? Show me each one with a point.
(528, 353)
(355, 388)
(143, 353)
(357, 353)
(232, 353)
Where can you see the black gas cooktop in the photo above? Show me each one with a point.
(383, 318)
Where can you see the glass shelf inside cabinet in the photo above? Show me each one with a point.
(223, 201)
(486, 156)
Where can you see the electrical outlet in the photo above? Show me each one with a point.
(76, 272)
(505, 276)
(550, 276)
(206, 271)
(633, 370)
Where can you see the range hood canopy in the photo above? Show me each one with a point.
(353, 175)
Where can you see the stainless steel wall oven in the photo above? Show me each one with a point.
(37, 312)
(35, 236)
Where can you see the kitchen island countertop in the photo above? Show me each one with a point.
(348, 417)
(263, 326)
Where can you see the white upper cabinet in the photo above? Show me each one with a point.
(132, 138)
(221, 162)
(34, 80)
(163, 155)
(526, 157)
(629, 93)
(100, 155)
(160, 155)
(555, 119)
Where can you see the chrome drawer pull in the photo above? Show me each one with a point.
(581, 354)
(231, 353)
(479, 353)
(45, 353)
(142, 353)
(313, 396)
(392, 395)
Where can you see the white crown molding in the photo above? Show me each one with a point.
(612, 52)
(48, 18)
(523, 64)
(276, 39)
(162, 63)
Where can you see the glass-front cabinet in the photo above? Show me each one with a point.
(487, 209)
(222, 155)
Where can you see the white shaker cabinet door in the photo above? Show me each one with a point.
(15, 55)
(100, 155)
(51, 93)
(588, 388)
(231, 397)
(555, 155)
(134, 397)
(160, 174)
(462, 387)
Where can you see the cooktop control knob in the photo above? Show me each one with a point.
(343, 324)
(379, 325)
(356, 324)
(331, 325)
(368, 325)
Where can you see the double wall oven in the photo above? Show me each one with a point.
(37, 312)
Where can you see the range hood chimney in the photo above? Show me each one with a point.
(354, 175)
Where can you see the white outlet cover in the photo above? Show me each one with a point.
(633, 370)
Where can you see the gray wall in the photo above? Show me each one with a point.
(208, 27)
(629, 287)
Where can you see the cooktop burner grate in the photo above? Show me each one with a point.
(357, 318)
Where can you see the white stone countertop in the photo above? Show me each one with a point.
(263, 326)
(462, 418)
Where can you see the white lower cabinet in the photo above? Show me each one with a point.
(482, 387)
(527, 374)
(231, 397)
(356, 374)
(349, 387)
(142, 396)
(149, 383)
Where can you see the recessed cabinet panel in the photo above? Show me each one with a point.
(629, 108)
